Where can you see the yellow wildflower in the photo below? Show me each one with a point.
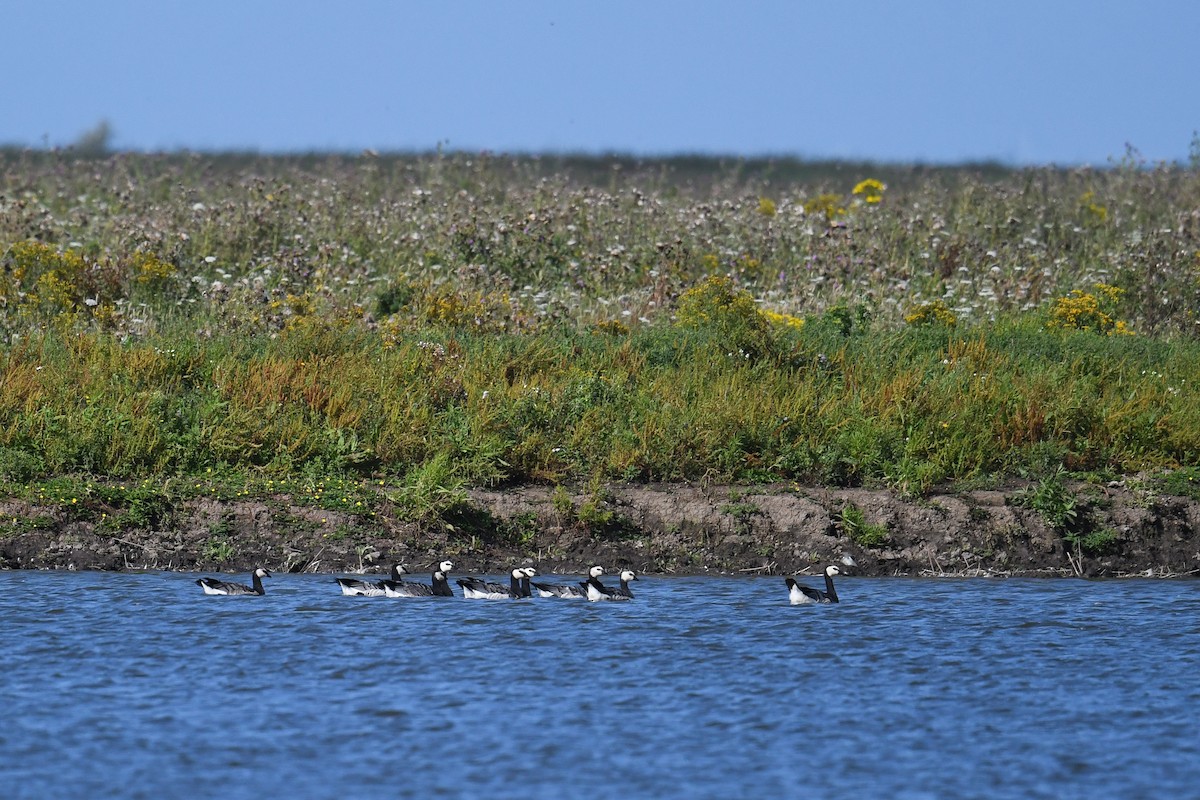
(150, 268)
(935, 313)
(1085, 311)
(775, 318)
(870, 190)
(1092, 210)
(828, 204)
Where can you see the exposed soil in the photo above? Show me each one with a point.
(655, 529)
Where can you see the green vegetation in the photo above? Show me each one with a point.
(595, 514)
(741, 510)
(1182, 482)
(1054, 500)
(217, 550)
(865, 534)
(1070, 514)
(1095, 542)
(377, 335)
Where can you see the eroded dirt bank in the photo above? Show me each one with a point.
(663, 529)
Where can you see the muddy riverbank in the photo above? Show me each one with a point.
(1119, 530)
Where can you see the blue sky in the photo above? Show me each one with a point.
(1024, 82)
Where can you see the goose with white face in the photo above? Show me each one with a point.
(228, 588)
(359, 587)
(567, 592)
(799, 594)
(517, 588)
(599, 593)
(439, 585)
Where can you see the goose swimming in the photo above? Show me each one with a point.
(801, 594)
(518, 586)
(568, 592)
(440, 586)
(530, 572)
(214, 586)
(597, 591)
(357, 587)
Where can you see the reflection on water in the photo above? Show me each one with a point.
(138, 685)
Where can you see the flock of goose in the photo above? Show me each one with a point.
(520, 585)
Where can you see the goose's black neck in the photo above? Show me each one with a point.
(514, 586)
(258, 584)
(830, 592)
(441, 586)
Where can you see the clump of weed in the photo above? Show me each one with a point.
(563, 505)
(394, 297)
(729, 314)
(934, 313)
(1087, 311)
(828, 205)
(19, 465)
(521, 529)
(1183, 482)
(742, 512)
(430, 492)
(869, 191)
(218, 549)
(1099, 542)
(596, 513)
(1063, 511)
(865, 534)
(1053, 499)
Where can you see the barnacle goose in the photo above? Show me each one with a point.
(214, 586)
(518, 586)
(357, 587)
(440, 586)
(567, 592)
(597, 591)
(529, 573)
(800, 594)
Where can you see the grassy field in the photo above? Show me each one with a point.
(350, 329)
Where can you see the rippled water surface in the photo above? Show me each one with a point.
(138, 685)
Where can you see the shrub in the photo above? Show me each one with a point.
(717, 307)
(1083, 311)
(20, 465)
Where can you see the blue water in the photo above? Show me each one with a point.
(138, 685)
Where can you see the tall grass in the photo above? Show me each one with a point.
(441, 322)
(908, 408)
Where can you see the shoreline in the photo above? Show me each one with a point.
(679, 529)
